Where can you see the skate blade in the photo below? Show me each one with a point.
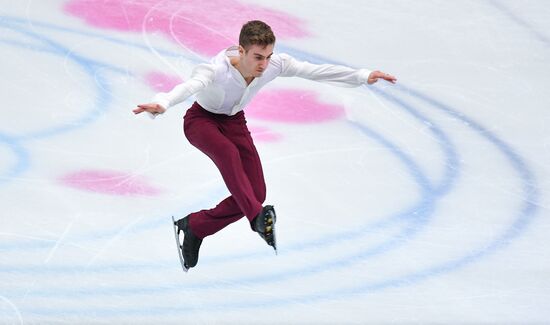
(275, 243)
(178, 246)
(273, 217)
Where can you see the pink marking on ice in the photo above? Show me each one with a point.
(109, 182)
(292, 106)
(203, 26)
(159, 81)
(264, 134)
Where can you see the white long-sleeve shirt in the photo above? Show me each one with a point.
(220, 88)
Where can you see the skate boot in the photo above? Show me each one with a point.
(264, 225)
(189, 249)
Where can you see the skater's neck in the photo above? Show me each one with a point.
(236, 62)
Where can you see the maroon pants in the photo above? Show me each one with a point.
(227, 141)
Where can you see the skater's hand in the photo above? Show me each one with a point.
(375, 75)
(152, 108)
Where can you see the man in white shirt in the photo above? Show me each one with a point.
(216, 125)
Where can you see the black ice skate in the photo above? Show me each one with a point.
(264, 225)
(188, 249)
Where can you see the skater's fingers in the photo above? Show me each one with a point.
(391, 79)
(387, 77)
(138, 110)
(147, 107)
(152, 108)
(375, 75)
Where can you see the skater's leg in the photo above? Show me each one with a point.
(264, 222)
(207, 135)
(238, 133)
(251, 161)
(228, 210)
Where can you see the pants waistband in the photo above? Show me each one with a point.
(198, 108)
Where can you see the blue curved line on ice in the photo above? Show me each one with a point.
(92, 69)
(452, 163)
(412, 168)
(90, 66)
(415, 217)
(22, 158)
(415, 173)
(523, 218)
(535, 33)
(101, 103)
(103, 37)
(422, 211)
(89, 118)
(528, 211)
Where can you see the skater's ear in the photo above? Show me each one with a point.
(242, 51)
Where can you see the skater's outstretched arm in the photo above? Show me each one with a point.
(201, 77)
(338, 75)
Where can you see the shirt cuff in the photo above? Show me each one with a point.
(165, 103)
(364, 75)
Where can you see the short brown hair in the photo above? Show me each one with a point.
(256, 32)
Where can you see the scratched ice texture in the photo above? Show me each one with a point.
(420, 202)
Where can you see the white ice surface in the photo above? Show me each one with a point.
(426, 203)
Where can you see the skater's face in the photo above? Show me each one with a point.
(255, 60)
